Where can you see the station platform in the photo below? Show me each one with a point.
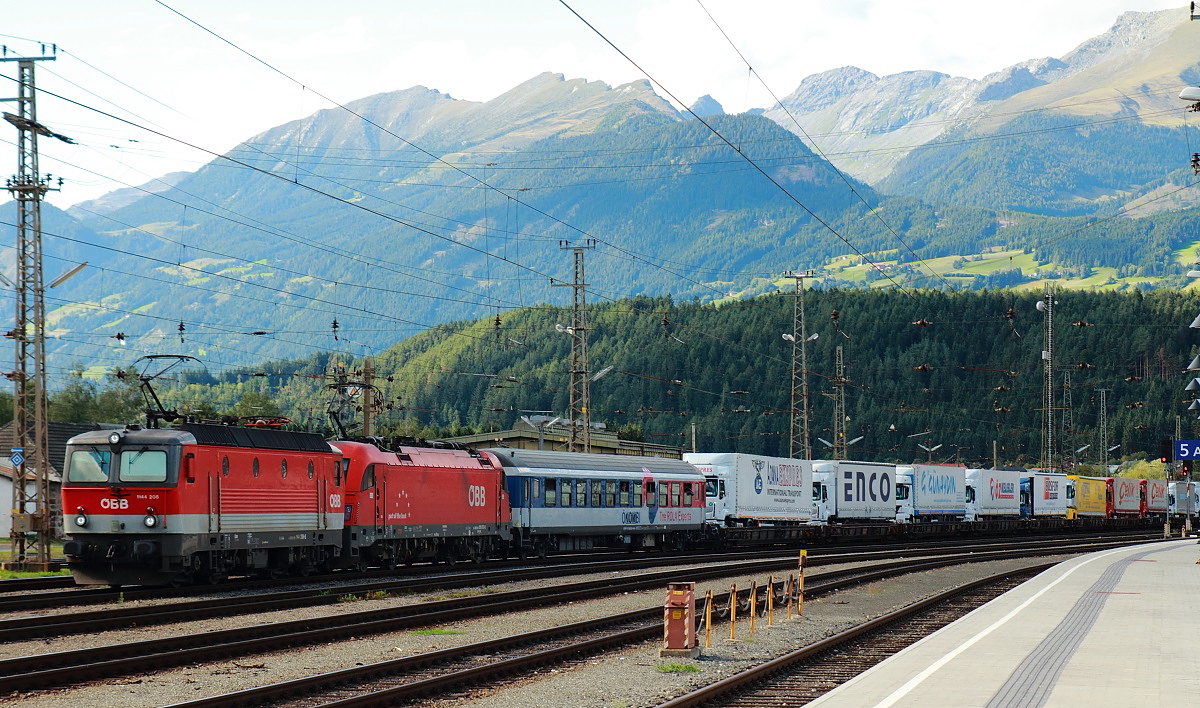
(1114, 628)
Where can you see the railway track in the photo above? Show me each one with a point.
(475, 665)
(15, 595)
(29, 627)
(64, 668)
(804, 675)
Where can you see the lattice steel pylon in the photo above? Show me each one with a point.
(839, 407)
(580, 423)
(798, 427)
(32, 505)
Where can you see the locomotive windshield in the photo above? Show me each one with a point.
(99, 465)
(143, 466)
(88, 466)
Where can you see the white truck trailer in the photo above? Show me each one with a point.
(931, 493)
(855, 491)
(1044, 494)
(1183, 502)
(753, 490)
(993, 494)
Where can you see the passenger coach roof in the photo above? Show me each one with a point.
(551, 459)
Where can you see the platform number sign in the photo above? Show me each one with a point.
(1187, 449)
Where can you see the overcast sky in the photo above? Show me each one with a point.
(190, 85)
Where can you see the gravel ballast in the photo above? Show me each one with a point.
(627, 678)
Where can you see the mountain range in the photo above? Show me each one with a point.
(409, 209)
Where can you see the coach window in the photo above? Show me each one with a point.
(687, 493)
(310, 469)
(637, 493)
(674, 493)
(254, 467)
(663, 489)
(368, 478)
(283, 468)
(551, 491)
(596, 492)
(564, 491)
(580, 493)
(624, 495)
(610, 492)
(224, 465)
(651, 498)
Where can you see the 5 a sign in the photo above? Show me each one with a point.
(1187, 449)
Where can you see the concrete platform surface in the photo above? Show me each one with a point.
(1114, 628)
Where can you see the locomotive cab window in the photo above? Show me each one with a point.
(88, 466)
(143, 466)
(551, 491)
(368, 478)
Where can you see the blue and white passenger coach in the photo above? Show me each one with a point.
(564, 501)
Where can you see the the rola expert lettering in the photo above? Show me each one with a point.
(860, 486)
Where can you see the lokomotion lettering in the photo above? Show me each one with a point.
(861, 486)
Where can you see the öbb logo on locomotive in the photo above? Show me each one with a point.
(114, 504)
(476, 495)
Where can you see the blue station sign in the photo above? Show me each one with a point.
(1187, 449)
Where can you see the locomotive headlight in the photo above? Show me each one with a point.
(151, 520)
(81, 518)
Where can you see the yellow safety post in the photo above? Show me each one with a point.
(800, 585)
(708, 601)
(753, 603)
(770, 600)
(733, 612)
(788, 593)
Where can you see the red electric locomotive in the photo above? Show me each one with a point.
(407, 504)
(199, 502)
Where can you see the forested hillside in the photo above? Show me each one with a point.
(960, 370)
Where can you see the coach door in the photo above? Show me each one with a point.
(527, 491)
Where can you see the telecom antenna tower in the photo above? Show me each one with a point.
(580, 423)
(32, 506)
(1046, 307)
